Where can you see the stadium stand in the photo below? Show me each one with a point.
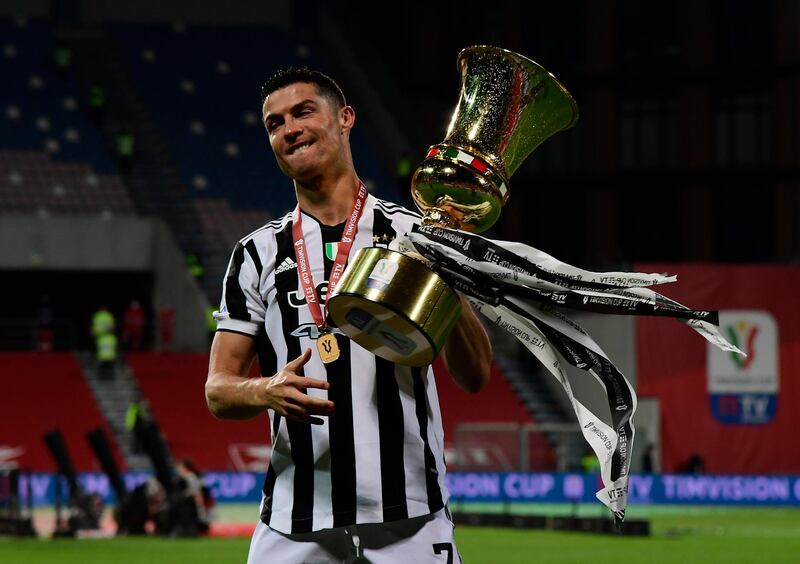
(203, 87)
(226, 225)
(496, 403)
(173, 385)
(191, 431)
(48, 392)
(52, 156)
(489, 449)
(31, 181)
(41, 104)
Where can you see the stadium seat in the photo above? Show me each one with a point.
(46, 139)
(205, 95)
(191, 431)
(173, 384)
(48, 392)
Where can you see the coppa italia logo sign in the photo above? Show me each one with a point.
(743, 390)
(742, 336)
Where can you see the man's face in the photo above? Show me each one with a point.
(305, 132)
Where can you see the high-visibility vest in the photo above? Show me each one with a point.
(102, 323)
(590, 463)
(107, 347)
(131, 415)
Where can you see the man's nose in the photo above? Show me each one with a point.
(292, 128)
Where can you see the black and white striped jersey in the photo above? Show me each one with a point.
(381, 456)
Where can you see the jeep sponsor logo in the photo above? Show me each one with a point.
(298, 300)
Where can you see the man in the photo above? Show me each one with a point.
(102, 322)
(133, 326)
(106, 355)
(357, 468)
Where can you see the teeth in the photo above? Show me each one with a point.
(301, 148)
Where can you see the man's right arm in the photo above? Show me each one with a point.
(229, 392)
(232, 395)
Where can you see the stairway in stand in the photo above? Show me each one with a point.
(113, 396)
(528, 378)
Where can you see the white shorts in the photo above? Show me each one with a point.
(421, 540)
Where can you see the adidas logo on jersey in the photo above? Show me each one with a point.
(287, 264)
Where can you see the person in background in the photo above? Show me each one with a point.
(166, 327)
(103, 322)
(133, 327)
(694, 465)
(62, 61)
(196, 490)
(105, 342)
(125, 151)
(96, 102)
(139, 408)
(648, 459)
(106, 355)
(589, 462)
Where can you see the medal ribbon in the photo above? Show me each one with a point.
(303, 267)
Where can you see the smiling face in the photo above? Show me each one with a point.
(307, 133)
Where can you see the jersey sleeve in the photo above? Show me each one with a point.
(241, 310)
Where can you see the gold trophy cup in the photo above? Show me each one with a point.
(393, 304)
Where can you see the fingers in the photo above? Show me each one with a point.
(302, 418)
(289, 399)
(311, 405)
(285, 393)
(304, 411)
(305, 382)
(297, 363)
(296, 413)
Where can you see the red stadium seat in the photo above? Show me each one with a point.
(43, 392)
(173, 383)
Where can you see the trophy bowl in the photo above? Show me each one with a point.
(393, 304)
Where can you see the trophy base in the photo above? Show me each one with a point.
(394, 306)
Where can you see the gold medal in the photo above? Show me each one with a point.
(328, 347)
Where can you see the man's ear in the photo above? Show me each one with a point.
(347, 118)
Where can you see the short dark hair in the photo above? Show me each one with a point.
(326, 86)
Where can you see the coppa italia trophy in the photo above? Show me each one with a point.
(401, 302)
(395, 305)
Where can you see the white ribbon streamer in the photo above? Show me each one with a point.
(601, 437)
(517, 287)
